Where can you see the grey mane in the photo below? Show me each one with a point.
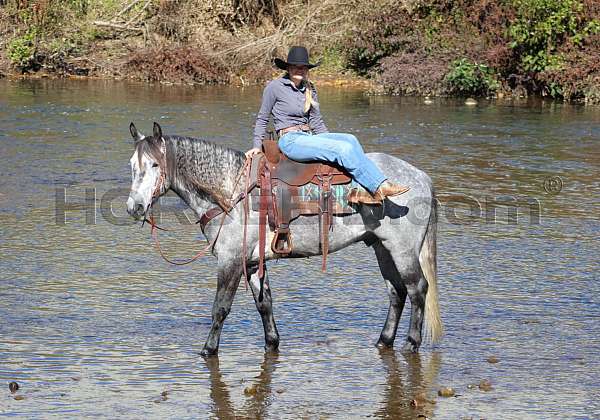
(202, 166)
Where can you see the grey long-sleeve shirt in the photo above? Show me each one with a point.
(286, 102)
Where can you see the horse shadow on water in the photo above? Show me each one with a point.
(205, 175)
(407, 393)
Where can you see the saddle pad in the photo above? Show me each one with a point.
(311, 192)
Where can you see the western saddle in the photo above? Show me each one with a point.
(280, 201)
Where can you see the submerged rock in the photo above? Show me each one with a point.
(492, 359)
(251, 390)
(470, 102)
(446, 392)
(485, 385)
(13, 386)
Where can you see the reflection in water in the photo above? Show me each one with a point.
(409, 390)
(409, 387)
(257, 393)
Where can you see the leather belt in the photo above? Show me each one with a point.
(300, 127)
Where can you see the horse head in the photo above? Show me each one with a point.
(148, 171)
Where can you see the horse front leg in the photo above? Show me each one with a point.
(397, 294)
(264, 305)
(228, 279)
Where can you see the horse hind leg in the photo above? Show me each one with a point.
(229, 276)
(416, 285)
(406, 271)
(264, 305)
(397, 293)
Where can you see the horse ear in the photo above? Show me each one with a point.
(157, 131)
(135, 133)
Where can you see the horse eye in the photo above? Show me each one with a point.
(154, 165)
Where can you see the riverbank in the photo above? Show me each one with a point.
(422, 48)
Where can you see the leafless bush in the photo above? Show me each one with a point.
(315, 27)
(413, 74)
(176, 65)
(234, 14)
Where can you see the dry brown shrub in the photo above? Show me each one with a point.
(501, 58)
(168, 20)
(322, 24)
(234, 14)
(176, 65)
(491, 18)
(413, 74)
(580, 74)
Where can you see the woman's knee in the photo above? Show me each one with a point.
(356, 143)
(344, 149)
(352, 139)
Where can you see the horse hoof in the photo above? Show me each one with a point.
(272, 348)
(382, 344)
(409, 347)
(206, 353)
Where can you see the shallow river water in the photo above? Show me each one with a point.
(94, 323)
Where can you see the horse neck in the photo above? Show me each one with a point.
(202, 173)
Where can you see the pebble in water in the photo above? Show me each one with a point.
(485, 385)
(446, 392)
(251, 390)
(163, 397)
(492, 359)
(13, 386)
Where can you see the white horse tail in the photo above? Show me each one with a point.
(428, 261)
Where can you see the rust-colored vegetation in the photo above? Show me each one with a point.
(177, 65)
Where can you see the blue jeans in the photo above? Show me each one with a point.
(339, 148)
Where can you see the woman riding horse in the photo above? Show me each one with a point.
(292, 100)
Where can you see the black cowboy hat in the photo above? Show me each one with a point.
(296, 56)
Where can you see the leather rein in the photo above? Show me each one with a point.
(206, 217)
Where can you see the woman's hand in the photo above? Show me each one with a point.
(252, 152)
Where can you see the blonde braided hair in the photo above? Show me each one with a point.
(308, 96)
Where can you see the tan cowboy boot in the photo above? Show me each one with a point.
(386, 189)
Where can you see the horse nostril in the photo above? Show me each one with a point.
(139, 209)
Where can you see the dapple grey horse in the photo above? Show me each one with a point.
(402, 231)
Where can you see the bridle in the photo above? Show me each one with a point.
(160, 183)
(159, 190)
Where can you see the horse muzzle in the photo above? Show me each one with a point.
(135, 209)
